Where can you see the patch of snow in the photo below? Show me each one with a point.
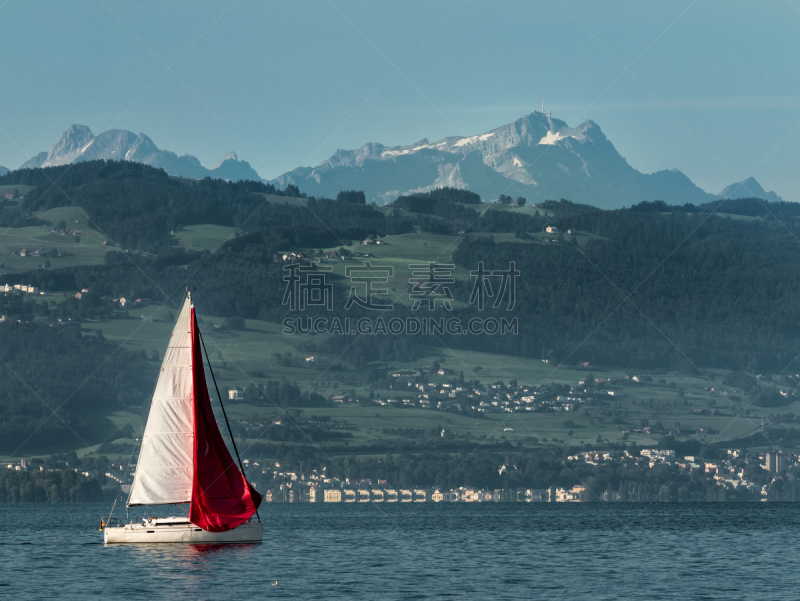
(407, 150)
(517, 162)
(552, 137)
(470, 140)
(396, 153)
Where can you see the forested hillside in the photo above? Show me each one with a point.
(649, 287)
(139, 207)
(59, 386)
(715, 285)
(662, 289)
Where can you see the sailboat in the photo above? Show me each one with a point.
(184, 460)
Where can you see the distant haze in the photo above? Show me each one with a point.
(537, 156)
(78, 144)
(679, 85)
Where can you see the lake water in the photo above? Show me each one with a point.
(421, 551)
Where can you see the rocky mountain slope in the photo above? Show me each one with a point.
(537, 156)
(78, 143)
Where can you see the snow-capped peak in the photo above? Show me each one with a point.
(78, 143)
(72, 144)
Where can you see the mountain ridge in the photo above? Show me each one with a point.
(537, 156)
(748, 188)
(77, 143)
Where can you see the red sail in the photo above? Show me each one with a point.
(221, 496)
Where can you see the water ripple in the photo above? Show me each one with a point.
(422, 551)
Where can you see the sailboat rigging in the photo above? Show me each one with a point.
(184, 459)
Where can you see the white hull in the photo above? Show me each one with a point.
(180, 532)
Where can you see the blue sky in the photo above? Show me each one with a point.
(710, 88)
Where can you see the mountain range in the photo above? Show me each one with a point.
(78, 143)
(536, 156)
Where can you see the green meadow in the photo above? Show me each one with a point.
(90, 250)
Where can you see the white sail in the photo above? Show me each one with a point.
(165, 470)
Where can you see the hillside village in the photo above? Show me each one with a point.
(414, 388)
